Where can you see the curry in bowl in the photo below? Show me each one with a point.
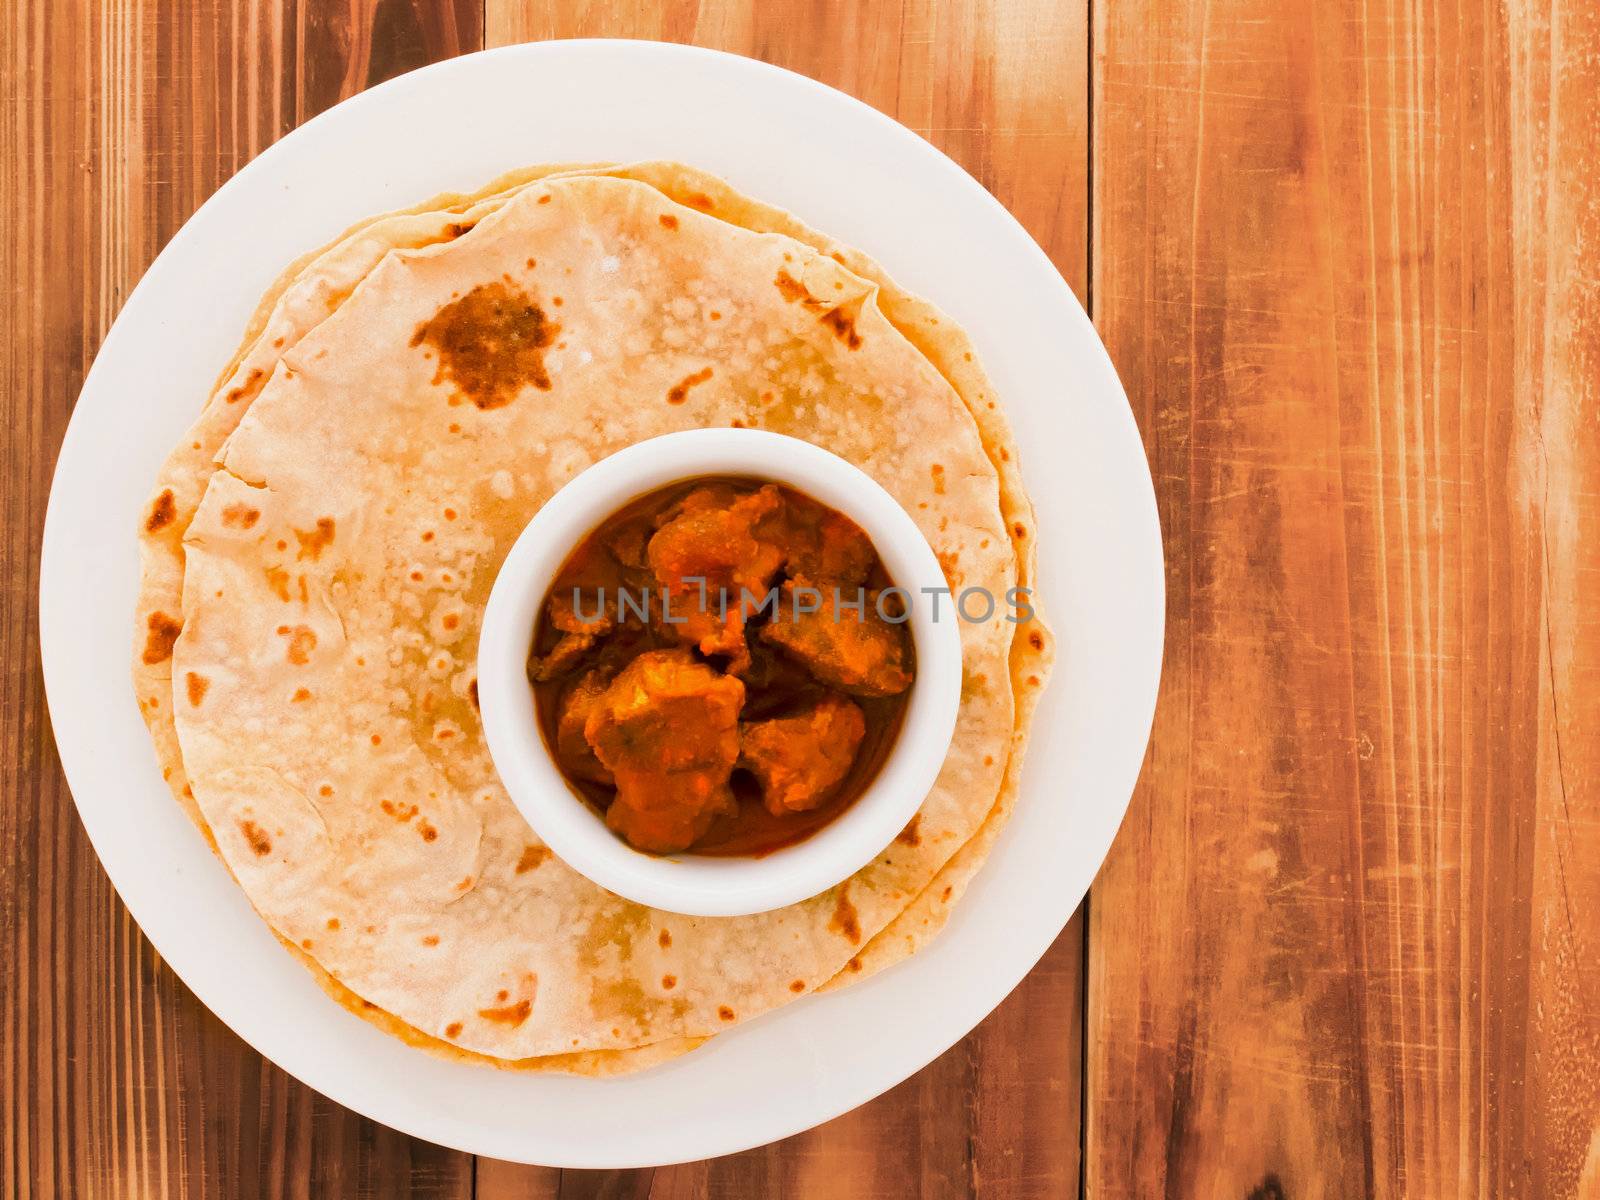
(722, 667)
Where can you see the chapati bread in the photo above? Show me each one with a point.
(338, 562)
(306, 292)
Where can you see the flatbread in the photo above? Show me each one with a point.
(305, 294)
(591, 984)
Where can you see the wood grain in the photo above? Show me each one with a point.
(1344, 259)
(118, 120)
(1343, 254)
(1000, 87)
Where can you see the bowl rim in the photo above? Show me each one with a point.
(703, 885)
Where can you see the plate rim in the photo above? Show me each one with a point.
(1145, 659)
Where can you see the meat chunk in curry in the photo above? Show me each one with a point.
(855, 651)
(708, 556)
(800, 760)
(826, 547)
(574, 755)
(667, 727)
(580, 628)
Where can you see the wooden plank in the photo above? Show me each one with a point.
(1002, 88)
(118, 119)
(1345, 944)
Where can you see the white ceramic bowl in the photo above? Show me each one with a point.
(689, 883)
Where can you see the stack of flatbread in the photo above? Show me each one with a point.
(318, 550)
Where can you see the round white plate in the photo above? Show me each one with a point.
(844, 168)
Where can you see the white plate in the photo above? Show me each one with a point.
(844, 168)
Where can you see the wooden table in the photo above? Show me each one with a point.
(1345, 257)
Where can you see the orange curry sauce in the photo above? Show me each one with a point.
(790, 540)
